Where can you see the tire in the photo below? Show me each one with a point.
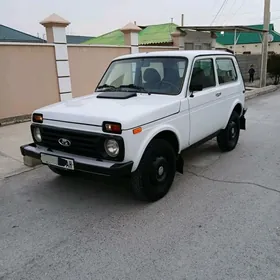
(228, 138)
(61, 172)
(156, 171)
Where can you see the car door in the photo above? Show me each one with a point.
(205, 117)
(231, 85)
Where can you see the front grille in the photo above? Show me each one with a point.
(82, 143)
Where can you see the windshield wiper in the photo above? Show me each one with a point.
(132, 86)
(105, 86)
(129, 86)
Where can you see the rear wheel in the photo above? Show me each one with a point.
(61, 171)
(228, 138)
(155, 173)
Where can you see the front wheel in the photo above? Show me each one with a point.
(228, 138)
(156, 171)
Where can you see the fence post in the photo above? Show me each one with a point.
(56, 34)
(131, 36)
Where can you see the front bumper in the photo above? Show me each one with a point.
(243, 120)
(81, 163)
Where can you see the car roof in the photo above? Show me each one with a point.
(188, 54)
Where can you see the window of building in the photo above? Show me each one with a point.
(226, 70)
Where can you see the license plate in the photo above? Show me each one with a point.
(62, 162)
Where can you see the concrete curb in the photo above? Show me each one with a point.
(260, 91)
(14, 120)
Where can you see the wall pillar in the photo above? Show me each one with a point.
(56, 34)
(178, 39)
(131, 36)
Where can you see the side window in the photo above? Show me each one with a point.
(226, 70)
(203, 73)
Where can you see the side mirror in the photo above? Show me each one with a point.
(197, 87)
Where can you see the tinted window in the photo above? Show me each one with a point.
(226, 70)
(203, 73)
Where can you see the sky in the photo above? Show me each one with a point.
(95, 17)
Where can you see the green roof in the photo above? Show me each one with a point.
(152, 34)
(247, 37)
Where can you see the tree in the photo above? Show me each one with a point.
(273, 67)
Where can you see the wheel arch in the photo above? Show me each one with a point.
(167, 133)
(236, 106)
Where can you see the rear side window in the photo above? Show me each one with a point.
(226, 70)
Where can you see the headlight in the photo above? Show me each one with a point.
(37, 134)
(112, 147)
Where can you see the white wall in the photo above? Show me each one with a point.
(254, 48)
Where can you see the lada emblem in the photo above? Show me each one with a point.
(64, 142)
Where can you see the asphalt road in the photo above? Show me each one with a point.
(221, 220)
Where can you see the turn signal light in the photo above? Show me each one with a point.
(111, 127)
(38, 118)
(137, 130)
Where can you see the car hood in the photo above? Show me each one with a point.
(131, 112)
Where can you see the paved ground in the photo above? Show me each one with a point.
(221, 219)
(11, 138)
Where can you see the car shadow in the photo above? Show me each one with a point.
(91, 187)
(202, 156)
(109, 190)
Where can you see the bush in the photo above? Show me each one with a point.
(273, 67)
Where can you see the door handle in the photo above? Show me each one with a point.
(218, 94)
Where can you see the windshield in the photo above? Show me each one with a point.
(159, 75)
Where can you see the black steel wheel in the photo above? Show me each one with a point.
(228, 138)
(155, 173)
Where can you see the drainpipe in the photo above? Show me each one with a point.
(234, 41)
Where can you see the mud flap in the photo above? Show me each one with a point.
(180, 164)
(243, 120)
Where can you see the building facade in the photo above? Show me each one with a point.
(250, 42)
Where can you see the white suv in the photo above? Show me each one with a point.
(147, 109)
